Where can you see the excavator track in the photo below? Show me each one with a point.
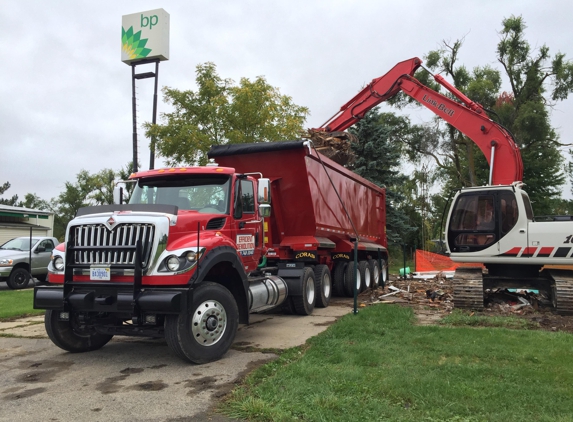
(468, 288)
(563, 291)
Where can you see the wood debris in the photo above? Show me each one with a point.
(333, 145)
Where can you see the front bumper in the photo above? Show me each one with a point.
(113, 299)
(5, 272)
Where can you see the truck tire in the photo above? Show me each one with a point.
(365, 275)
(384, 273)
(205, 331)
(304, 304)
(323, 283)
(374, 273)
(19, 278)
(349, 279)
(68, 335)
(338, 278)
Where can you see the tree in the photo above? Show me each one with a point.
(89, 189)
(33, 201)
(524, 111)
(377, 158)
(220, 112)
(12, 201)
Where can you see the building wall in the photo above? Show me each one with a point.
(16, 222)
(7, 233)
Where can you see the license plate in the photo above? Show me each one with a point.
(100, 273)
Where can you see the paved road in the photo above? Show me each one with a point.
(135, 379)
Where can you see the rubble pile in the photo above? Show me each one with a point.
(437, 293)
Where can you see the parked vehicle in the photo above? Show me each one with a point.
(197, 249)
(15, 260)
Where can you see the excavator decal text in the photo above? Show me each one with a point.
(440, 106)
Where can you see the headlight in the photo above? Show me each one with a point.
(191, 256)
(173, 263)
(6, 262)
(59, 263)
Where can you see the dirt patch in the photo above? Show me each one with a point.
(433, 299)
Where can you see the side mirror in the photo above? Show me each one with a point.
(264, 192)
(264, 210)
(118, 195)
(40, 249)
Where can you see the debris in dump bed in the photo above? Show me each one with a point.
(334, 145)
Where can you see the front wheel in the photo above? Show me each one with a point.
(19, 279)
(71, 335)
(205, 331)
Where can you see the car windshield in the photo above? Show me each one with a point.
(202, 193)
(19, 244)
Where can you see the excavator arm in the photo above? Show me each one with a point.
(468, 117)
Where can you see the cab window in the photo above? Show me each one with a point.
(248, 196)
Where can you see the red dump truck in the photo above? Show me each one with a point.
(197, 249)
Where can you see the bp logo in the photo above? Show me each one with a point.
(132, 45)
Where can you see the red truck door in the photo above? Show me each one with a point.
(247, 225)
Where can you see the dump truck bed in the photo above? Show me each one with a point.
(306, 188)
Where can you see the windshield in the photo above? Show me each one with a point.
(19, 244)
(203, 193)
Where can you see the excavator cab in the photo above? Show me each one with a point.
(480, 218)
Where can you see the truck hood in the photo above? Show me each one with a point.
(13, 254)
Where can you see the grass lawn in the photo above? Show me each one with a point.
(378, 366)
(17, 303)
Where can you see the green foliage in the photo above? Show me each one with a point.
(33, 201)
(88, 189)
(526, 112)
(221, 112)
(7, 201)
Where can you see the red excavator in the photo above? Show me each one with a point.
(494, 224)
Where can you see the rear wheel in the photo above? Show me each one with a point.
(338, 278)
(323, 285)
(71, 335)
(205, 331)
(349, 280)
(19, 279)
(365, 275)
(384, 274)
(374, 273)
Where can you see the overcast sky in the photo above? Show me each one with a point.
(66, 96)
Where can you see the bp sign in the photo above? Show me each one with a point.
(145, 35)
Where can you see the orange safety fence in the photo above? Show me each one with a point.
(428, 261)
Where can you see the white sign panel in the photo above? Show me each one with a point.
(145, 35)
(246, 244)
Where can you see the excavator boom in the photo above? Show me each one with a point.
(468, 117)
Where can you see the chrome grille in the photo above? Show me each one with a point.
(116, 246)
